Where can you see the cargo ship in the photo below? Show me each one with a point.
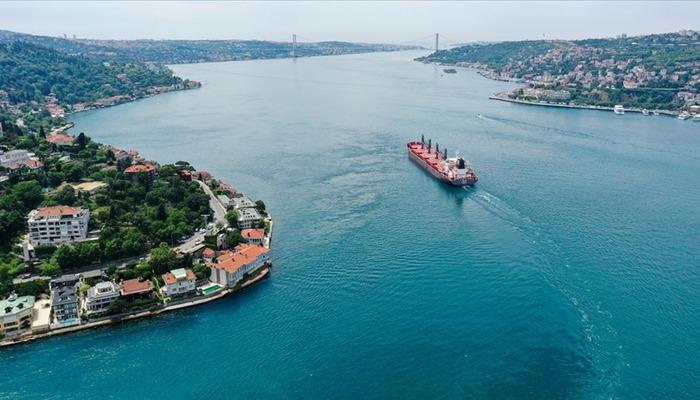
(455, 171)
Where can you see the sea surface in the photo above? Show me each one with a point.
(569, 272)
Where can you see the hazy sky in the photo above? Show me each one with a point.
(391, 22)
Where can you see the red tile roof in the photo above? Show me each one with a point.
(57, 210)
(226, 187)
(203, 175)
(146, 167)
(232, 261)
(255, 234)
(208, 252)
(34, 164)
(60, 138)
(170, 279)
(135, 286)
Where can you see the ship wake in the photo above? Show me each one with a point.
(555, 268)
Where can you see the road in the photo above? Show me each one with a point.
(215, 204)
(219, 216)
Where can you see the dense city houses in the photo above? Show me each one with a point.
(652, 71)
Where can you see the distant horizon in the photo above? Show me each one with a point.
(68, 37)
(398, 23)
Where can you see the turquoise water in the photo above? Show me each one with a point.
(569, 272)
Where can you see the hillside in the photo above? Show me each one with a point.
(652, 71)
(30, 73)
(191, 51)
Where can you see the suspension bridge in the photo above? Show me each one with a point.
(434, 42)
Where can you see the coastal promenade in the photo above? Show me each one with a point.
(504, 97)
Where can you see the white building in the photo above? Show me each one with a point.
(178, 282)
(232, 266)
(242, 202)
(59, 224)
(100, 297)
(225, 201)
(15, 315)
(248, 218)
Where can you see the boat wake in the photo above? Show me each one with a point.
(555, 268)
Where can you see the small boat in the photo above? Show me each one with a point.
(684, 115)
(645, 112)
(656, 112)
(619, 109)
(449, 71)
(696, 118)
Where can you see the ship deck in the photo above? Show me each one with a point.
(425, 155)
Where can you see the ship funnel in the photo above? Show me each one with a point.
(430, 145)
(445, 153)
(437, 147)
(422, 139)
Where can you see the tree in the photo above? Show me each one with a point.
(66, 196)
(201, 271)
(29, 193)
(233, 238)
(34, 287)
(50, 268)
(84, 288)
(118, 306)
(161, 212)
(81, 140)
(232, 218)
(42, 132)
(260, 206)
(64, 256)
(162, 259)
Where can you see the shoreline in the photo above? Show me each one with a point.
(504, 97)
(130, 100)
(255, 276)
(258, 276)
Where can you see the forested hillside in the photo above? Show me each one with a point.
(29, 73)
(192, 51)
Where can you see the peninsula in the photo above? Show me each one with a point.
(650, 72)
(91, 234)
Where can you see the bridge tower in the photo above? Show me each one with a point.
(294, 45)
(437, 40)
